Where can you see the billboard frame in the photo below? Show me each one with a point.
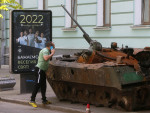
(11, 44)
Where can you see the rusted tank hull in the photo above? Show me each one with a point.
(103, 84)
(129, 100)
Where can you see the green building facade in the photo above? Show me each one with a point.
(126, 22)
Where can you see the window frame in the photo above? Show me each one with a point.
(73, 7)
(101, 14)
(142, 16)
(104, 15)
(42, 4)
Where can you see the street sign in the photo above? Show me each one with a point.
(29, 30)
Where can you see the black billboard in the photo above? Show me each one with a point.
(30, 29)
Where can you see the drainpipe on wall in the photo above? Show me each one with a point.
(3, 39)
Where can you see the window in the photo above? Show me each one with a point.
(74, 12)
(71, 6)
(42, 4)
(146, 12)
(103, 13)
(142, 12)
(106, 12)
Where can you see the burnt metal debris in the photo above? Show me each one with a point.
(111, 77)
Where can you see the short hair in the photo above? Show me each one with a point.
(48, 44)
(25, 31)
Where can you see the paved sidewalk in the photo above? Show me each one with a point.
(14, 96)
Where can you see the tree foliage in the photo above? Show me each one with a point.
(7, 4)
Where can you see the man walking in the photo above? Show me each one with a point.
(43, 63)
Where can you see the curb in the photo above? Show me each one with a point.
(4, 66)
(50, 107)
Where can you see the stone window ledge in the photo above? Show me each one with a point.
(140, 27)
(102, 28)
(69, 29)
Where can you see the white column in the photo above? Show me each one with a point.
(100, 13)
(67, 17)
(40, 4)
(137, 12)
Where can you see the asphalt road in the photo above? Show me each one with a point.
(17, 108)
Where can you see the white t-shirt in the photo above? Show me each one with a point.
(31, 40)
(37, 45)
(22, 41)
(42, 44)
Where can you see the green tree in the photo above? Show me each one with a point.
(8, 4)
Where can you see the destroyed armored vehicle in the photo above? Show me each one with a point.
(112, 77)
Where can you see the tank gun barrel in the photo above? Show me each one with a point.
(93, 43)
(86, 36)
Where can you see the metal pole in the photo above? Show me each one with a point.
(3, 39)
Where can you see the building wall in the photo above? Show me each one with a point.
(27, 4)
(122, 18)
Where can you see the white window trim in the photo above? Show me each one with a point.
(138, 16)
(68, 26)
(42, 4)
(100, 13)
(100, 17)
(67, 17)
(138, 12)
(104, 28)
(138, 27)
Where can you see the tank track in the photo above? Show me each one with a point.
(127, 99)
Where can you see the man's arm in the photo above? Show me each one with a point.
(47, 57)
(53, 45)
(37, 40)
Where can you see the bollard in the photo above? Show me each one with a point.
(88, 108)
